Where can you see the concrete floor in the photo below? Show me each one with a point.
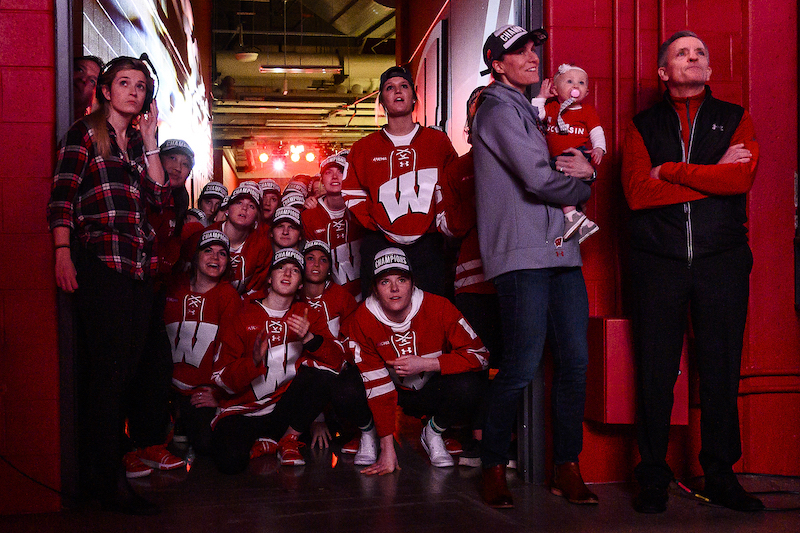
(330, 495)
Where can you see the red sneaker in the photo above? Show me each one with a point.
(263, 447)
(453, 447)
(134, 467)
(289, 451)
(351, 447)
(159, 457)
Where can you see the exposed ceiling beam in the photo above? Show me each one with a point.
(344, 10)
(377, 25)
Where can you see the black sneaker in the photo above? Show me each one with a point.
(471, 456)
(729, 493)
(652, 499)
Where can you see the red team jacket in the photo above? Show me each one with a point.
(433, 328)
(343, 233)
(391, 189)
(254, 390)
(192, 321)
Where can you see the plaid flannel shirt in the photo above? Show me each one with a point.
(102, 200)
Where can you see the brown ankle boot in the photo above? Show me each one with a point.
(494, 489)
(567, 482)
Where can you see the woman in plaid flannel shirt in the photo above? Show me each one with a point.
(106, 172)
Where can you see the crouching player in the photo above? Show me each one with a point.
(260, 366)
(414, 349)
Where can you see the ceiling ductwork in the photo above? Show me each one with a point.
(337, 50)
(362, 18)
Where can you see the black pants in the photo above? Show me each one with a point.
(148, 411)
(345, 394)
(482, 311)
(113, 316)
(451, 399)
(426, 257)
(234, 435)
(196, 422)
(714, 290)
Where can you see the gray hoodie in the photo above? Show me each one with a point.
(518, 196)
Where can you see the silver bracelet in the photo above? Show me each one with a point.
(152, 152)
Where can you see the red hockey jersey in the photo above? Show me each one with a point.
(249, 263)
(335, 304)
(391, 189)
(433, 328)
(456, 217)
(255, 389)
(343, 233)
(192, 321)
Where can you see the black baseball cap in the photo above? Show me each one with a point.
(397, 72)
(506, 39)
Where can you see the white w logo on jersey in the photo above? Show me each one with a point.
(410, 192)
(190, 341)
(280, 362)
(346, 262)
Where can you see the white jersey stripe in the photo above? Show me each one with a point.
(380, 390)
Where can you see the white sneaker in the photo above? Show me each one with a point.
(367, 452)
(434, 445)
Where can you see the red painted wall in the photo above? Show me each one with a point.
(754, 60)
(29, 371)
(29, 409)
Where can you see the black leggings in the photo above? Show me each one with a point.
(451, 399)
(196, 422)
(234, 435)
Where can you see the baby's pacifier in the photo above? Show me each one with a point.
(574, 93)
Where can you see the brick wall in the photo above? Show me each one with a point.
(29, 392)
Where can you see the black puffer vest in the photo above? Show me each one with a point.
(701, 227)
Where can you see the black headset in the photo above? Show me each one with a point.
(151, 90)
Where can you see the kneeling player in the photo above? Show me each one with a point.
(260, 366)
(414, 349)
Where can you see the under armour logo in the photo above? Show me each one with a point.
(717, 127)
(404, 343)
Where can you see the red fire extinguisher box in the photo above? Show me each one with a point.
(611, 375)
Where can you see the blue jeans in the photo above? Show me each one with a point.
(537, 304)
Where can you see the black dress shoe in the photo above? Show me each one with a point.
(732, 495)
(494, 488)
(652, 499)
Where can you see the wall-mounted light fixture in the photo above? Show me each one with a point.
(299, 69)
